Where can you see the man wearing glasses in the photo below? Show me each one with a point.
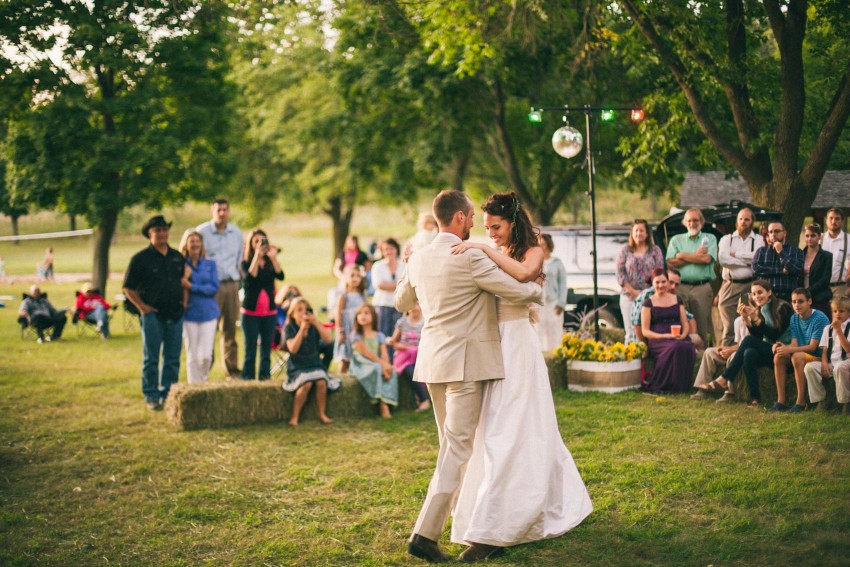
(780, 263)
(694, 255)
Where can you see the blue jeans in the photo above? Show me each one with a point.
(752, 354)
(165, 336)
(252, 328)
(100, 315)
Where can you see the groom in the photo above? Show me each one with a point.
(459, 351)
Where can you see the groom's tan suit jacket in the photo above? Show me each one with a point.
(460, 338)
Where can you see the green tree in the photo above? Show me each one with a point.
(765, 82)
(127, 104)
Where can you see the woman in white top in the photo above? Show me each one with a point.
(385, 273)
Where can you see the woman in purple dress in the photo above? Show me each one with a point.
(673, 351)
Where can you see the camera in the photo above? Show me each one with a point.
(264, 241)
(310, 310)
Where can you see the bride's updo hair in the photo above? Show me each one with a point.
(523, 235)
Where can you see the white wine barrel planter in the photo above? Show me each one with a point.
(609, 377)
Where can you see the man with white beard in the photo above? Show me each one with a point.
(694, 254)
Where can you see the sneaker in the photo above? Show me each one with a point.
(47, 339)
(821, 406)
(779, 407)
(700, 395)
(727, 397)
(40, 341)
(154, 405)
(797, 408)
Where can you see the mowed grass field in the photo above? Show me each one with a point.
(89, 476)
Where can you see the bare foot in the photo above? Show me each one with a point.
(424, 406)
(385, 411)
(325, 419)
(293, 423)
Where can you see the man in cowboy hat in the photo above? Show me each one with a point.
(152, 284)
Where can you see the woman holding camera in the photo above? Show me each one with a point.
(259, 316)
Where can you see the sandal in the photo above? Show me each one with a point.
(713, 386)
(753, 404)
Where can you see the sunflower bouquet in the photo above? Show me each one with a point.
(573, 347)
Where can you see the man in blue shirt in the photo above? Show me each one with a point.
(223, 243)
(780, 263)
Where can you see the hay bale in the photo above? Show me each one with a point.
(237, 402)
(557, 371)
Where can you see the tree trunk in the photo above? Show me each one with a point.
(459, 167)
(102, 240)
(653, 202)
(790, 196)
(341, 219)
(16, 229)
(73, 221)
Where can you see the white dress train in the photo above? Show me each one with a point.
(521, 483)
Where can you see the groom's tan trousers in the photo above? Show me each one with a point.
(457, 406)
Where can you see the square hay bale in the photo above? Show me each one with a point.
(237, 402)
(557, 371)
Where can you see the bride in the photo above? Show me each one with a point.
(521, 483)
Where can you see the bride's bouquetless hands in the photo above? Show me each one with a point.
(462, 247)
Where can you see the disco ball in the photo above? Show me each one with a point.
(567, 141)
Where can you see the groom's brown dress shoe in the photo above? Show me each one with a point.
(480, 552)
(426, 549)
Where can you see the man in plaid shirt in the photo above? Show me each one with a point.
(780, 263)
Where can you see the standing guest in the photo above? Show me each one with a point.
(767, 319)
(550, 328)
(779, 263)
(353, 296)
(200, 284)
(351, 255)
(153, 284)
(806, 326)
(817, 269)
(405, 341)
(305, 338)
(261, 269)
(635, 263)
(370, 363)
(718, 357)
(45, 268)
(694, 254)
(426, 231)
(672, 349)
(834, 344)
(835, 242)
(92, 307)
(735, 256)
(41, 314)
(385, 273)
(223, 244)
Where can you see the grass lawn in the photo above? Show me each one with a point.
(89, 476)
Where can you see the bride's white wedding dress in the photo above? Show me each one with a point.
(521, 483)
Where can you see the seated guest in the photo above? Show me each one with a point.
(767, 319)
(405, 341)
(835, 344)
(817, 269)
(90, 306)
(674, 280)
(807, 326)
(715, 357)
(305, 338)
(665, 326)
(283, 300)
(370, 363)
(38, 312)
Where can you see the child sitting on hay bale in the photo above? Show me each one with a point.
(371, 363)
(305, 338)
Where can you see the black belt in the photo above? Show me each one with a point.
(699, 282)
(836, 284)
(743, 280)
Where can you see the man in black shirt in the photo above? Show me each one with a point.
(153, 284)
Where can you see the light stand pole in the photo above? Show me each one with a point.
(567, 143)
